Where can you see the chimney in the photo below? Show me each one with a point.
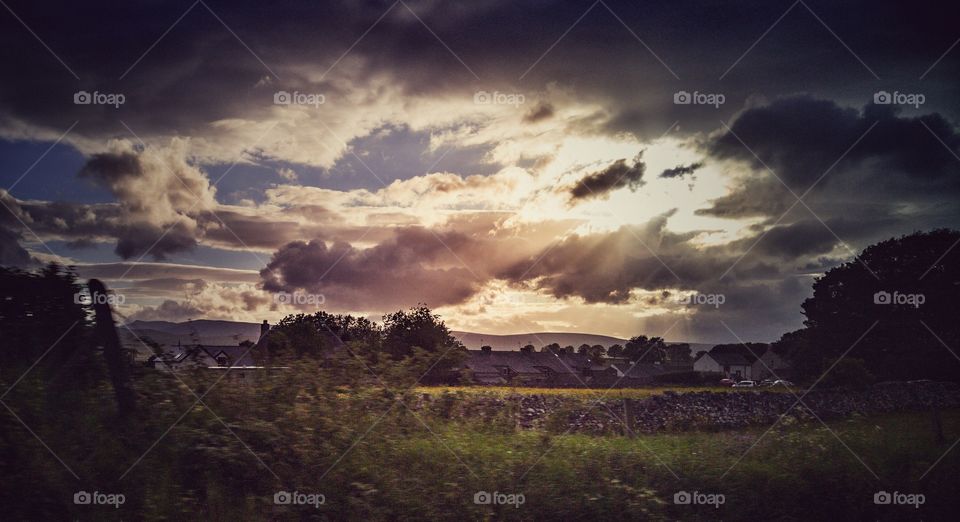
(264, 328)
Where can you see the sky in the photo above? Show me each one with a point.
(678, 169)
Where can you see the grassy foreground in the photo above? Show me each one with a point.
(373, 458)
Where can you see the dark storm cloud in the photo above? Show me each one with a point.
(87, 224)
(199, 73)
(897, 174)
(539, 112)
(618, 175)
(886, 173)
(397, 273)
(681, 170)
(810, 237)
(141, 239)
(800, 138)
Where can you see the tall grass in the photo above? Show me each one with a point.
(375, 458)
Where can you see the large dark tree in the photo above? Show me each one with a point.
(900, 295)
(552, 348)
(301, 334)
(36, 309)
(750, 351)
(416, 328)
(615, 351)
(646, 349)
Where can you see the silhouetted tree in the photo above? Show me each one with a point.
(418, 327)
(36, 308)
(647, 349)
(551, 348)
(597, 352)
(902, 306)
(749, 351)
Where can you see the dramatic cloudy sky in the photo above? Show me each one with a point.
(518, 166)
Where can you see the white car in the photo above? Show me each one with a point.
(782, 382)
(745, 384)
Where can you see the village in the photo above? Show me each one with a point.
(549, 366)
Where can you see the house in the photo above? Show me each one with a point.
(529, 368)
(637, 373)
(238, 360)
(171, 360)
(770, 360)
(731, 365)
(227, 356)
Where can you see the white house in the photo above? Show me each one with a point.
(730, 365)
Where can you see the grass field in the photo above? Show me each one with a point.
(789, 473)
(372, 457)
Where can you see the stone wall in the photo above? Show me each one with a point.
(680, 411)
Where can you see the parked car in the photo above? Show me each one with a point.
(782, 382)
(745, 384)
(727, 382)
(766, 382)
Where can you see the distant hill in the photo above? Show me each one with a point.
(202, 331)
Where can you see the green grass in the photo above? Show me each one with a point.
(375, 459)
(791, 473)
